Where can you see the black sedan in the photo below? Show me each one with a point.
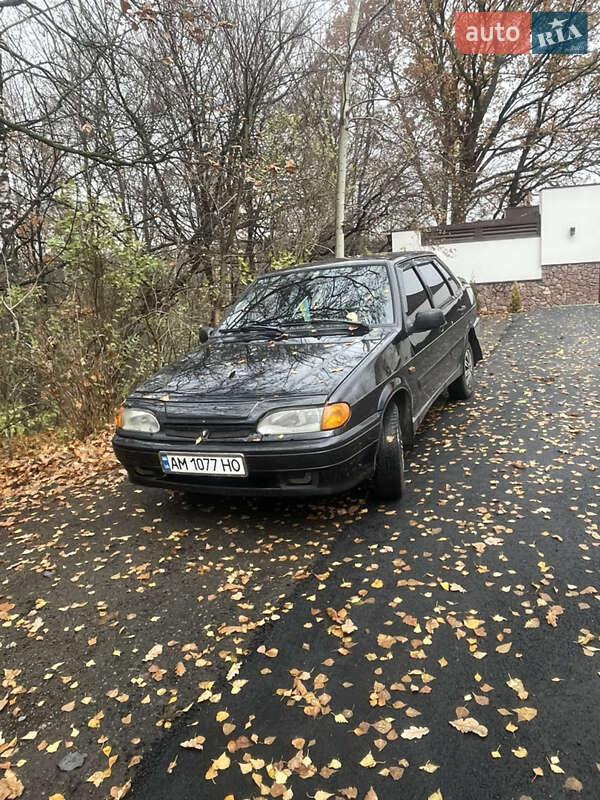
(315, 381)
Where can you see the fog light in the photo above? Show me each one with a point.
(300, 480)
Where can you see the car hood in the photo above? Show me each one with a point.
(238, 370)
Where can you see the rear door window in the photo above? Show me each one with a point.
(436, 283)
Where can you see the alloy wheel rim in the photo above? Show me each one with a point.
(468, 367)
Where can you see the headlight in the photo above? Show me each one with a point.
(304, 420)
(138, 420)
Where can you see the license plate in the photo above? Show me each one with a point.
(229, 465)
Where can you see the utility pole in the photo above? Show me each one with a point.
(342, 154)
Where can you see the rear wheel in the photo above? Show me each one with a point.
(389, 471)
(462, 387)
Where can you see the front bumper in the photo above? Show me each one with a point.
(298, 467)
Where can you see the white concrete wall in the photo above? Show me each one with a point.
(482, 262)
(565, 207)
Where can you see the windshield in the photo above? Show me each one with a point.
(358, 294)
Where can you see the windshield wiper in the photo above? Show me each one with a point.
(254, 327)
(359, 327)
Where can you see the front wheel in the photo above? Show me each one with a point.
(462, 387)
(389, 471)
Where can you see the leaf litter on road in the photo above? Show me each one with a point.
(450, 579)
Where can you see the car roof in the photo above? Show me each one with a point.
(375, 258)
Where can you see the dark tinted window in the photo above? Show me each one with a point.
(416, 296)
(452, 281)
(357, 293)
(438, 286)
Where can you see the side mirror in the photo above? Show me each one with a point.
(204, 333)
(428, 321)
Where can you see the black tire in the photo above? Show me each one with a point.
(389, 470)
(462, 387)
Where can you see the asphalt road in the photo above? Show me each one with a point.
(486, 572)
(132, 622)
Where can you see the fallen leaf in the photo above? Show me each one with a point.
(368, 761)
(414, 732)
(271, 653)
(525, 714)
(197, 743)
(516, 684)
(553, 613)
(10, 786)
(573, 784)
(437, 795)
(519, 752)
(219, 764)
(469, 725)
(153, 653)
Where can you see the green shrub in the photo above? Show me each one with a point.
(516, 303)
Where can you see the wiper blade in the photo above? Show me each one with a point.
(352, 325)
(254, 328)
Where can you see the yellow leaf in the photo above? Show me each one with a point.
(197, 743)
(322, 795)
(52, 748)
(496, 753)
(94, 722)
(56, 797)
(29, 736)
(473, 624)
(97, 777)
(519, 752)
(153, 653)
(222, 716)
(525, 714)
(220, 763)
(368, 761)
(223, 761)
(370, 795)
(516, 684)
(437, 795)
(429, 767)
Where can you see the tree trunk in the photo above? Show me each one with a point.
(342, 155)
